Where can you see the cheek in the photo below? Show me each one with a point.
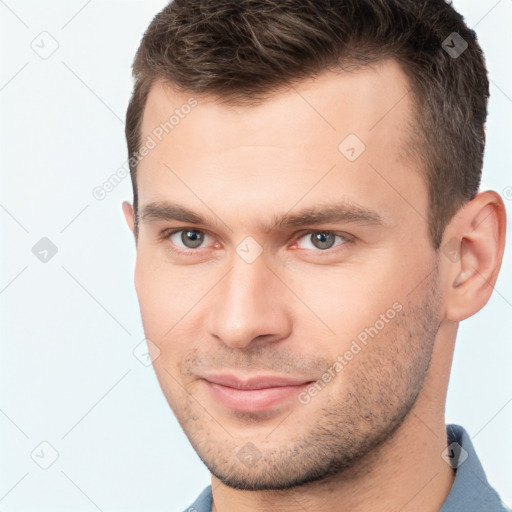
(163, 290)
(347, 299)
(169, 300)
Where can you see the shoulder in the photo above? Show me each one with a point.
(203, 502)
(471, 491)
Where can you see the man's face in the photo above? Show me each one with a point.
(354, 298)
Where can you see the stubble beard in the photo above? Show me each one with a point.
(386, 378)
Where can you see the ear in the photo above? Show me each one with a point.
(472, 252)
(128, 215)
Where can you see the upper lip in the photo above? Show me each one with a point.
(260, 382)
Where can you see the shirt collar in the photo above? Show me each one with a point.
(470, 489)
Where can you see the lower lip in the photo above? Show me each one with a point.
(253, 400)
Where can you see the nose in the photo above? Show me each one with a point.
(250, 305)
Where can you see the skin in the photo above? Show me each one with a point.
(372, 438)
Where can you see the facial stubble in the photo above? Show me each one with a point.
(372, 401)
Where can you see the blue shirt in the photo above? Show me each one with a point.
(470, 491)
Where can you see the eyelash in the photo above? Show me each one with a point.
(348, 239)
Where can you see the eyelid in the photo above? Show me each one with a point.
(167, 233)
(330, 250)
(342, 234)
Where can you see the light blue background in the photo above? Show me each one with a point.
(69, 326)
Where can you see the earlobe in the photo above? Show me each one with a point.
(128, 214)
(472, 267)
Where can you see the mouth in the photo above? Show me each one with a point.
(253, 395)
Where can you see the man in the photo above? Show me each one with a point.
(309, 235)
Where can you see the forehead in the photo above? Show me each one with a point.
(282, 149)
(363, 100)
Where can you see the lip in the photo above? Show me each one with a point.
(256, 394)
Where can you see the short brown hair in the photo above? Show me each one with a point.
(242, 51)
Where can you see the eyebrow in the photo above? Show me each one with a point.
(321, 214)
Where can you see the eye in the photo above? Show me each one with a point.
(323, 240)
(187, 238)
